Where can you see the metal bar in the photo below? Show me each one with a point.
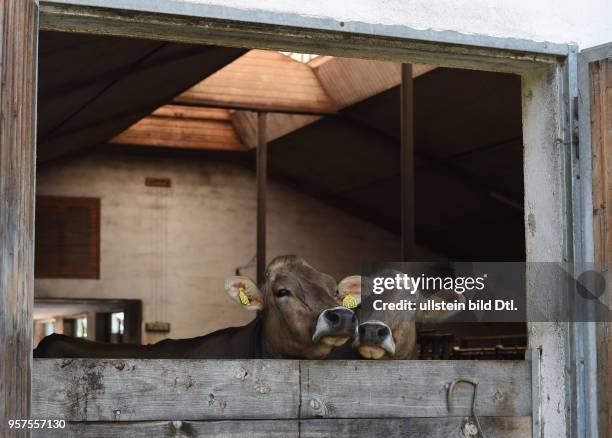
(262, 170)
(407, 163)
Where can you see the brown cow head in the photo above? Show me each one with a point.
(390, 334)
(297, 304)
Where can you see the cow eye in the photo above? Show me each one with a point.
(282, 293)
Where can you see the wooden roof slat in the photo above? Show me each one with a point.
(270, 81)
(263, 79)
(184, 128)
(350, 80)
(129, 82)
(346, 81)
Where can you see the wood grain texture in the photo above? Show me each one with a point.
(67, 237)
(18, 41)
(167, 429)
(263, 79)
(350, 80)
(184, 127)
(519, 427)
(149, 390)
(601, 139)
(141, 390)
(413, 388)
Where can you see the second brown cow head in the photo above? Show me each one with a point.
(385, 334)
(300, 315)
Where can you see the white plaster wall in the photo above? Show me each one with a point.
(173, 248)
(585, 22)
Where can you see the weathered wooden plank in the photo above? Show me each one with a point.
(371, 389)
(18, 42)
(192, 429)
(600, 75)
(141, 390)
(512, 427)
(389, 427)
(147, 390)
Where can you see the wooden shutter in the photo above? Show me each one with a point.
(67, 239)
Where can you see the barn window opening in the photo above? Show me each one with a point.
(107, 320)
(49, 328)
(333, 139)
(117, 324)
(80, 325)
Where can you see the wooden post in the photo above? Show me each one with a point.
(407, 164)
(262, 170)
(18, 50)
(600, 81)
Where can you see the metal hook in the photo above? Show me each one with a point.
(449, 396)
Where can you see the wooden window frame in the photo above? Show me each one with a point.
(548, 93)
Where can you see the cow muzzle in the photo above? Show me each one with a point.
(375, 340)
(335, 326)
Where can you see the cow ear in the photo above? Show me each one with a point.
(430, 316)
(349, 291)
(246, 293)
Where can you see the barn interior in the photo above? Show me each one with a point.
(146, 178)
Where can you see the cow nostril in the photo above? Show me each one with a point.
(332, 317)
(383, 332)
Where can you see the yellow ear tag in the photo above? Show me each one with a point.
(244, 299)
(349, 301)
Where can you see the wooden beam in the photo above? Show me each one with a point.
(408, 388)
(18, 44)
(498, 427)
(245, 106)
(377, 42)
(262, 176)
(407, 166)
(152, 389)
(601, 138)
(190, 390)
